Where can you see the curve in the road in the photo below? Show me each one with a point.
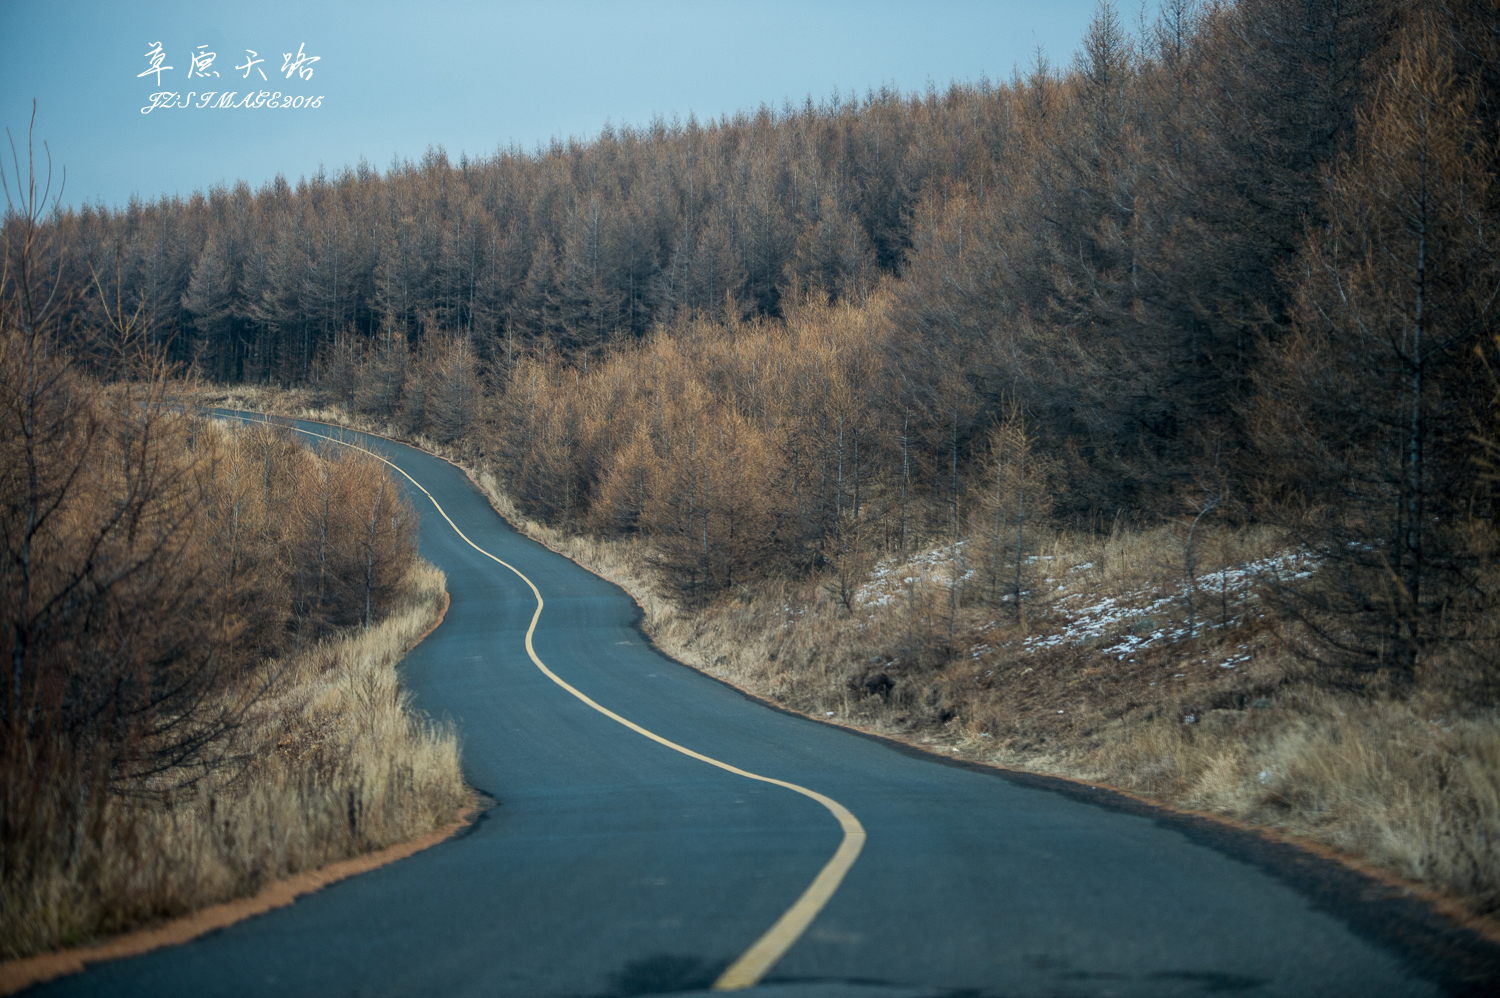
(753, 964)
(611, 868)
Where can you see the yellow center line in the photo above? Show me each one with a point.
(755, 962)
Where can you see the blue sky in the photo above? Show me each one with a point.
(398, 78)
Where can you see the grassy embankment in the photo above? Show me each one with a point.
(1104, 682)
(336, 765)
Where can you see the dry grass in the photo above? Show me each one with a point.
(1105, 681)
(1409, 784)
(333, 764)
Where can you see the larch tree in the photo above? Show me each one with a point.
(1369, 407)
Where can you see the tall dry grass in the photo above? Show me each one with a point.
(1411, 784)
(332, 763)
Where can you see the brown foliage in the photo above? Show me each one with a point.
(1368, 407)
(742, 454)
(1245, 255)
(151, 562)
(334, 765)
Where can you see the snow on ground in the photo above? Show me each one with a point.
(1120, 625)
(889, 579)
(1153, 616)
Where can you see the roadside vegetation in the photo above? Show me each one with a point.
(1133, 419)
(200, 631)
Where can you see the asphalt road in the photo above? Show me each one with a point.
(613, 865)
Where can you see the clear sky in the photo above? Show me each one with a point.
(399, 77)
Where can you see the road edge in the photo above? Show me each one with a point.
(19, 974)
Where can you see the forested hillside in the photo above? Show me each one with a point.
(1175, 167)
(1239, 257)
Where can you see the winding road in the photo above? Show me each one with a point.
(657, 831)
